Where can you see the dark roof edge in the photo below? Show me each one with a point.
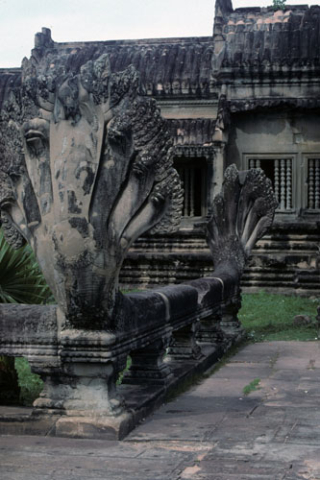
(10, 70)
(271, 8)
(138, 41)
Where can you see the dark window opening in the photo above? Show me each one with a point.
(192, 172)
(279, 170)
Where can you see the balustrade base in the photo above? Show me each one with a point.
(233, 331)
(140, 401)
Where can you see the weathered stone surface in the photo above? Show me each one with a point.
(242, 213)
(210, 432)
(300, 320)
(96, 173)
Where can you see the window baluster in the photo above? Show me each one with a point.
(277, 180)
(282, 184)
(317, 184)
(192, 180)
(311, 184)
(289, 186)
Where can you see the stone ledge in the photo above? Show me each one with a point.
(140, 400)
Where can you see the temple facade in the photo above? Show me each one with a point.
(247, 95)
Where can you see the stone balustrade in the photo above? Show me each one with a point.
(170, 334)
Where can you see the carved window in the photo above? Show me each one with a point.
(313, 182)
(279, 170)
(193, 174)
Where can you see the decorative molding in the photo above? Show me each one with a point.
(194, 151)
(247, 105)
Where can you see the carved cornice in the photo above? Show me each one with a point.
(194, 131)
(194, 151)
(189, 102)
(236, 106)
(167, 66)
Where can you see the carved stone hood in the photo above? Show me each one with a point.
(85, 169)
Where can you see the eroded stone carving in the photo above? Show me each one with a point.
(241, 214)
(85, 169)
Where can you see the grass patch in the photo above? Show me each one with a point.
(269, 317)
(251, 387)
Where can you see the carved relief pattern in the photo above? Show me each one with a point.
(242, 213)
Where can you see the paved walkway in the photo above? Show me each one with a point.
(212, 432)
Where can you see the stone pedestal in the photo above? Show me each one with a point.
(183, 345)
(210, 331)
(80, 387)
(230, 324)
(148, 366)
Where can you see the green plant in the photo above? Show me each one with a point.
(251, 387)
(279, 4)
(121, 374)
(29, 383)
(21, 280)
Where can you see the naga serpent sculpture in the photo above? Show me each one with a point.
(85, 168)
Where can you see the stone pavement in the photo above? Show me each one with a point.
(211, 432)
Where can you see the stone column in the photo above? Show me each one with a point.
(230, 324)
(183, 345)
(210, 332)
(218, 163)
(79, 387)
(148, 366)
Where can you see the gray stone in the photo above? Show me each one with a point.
(96, 174)
(300, 320)
(210, 432)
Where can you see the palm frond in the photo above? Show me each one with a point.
(21, 280)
